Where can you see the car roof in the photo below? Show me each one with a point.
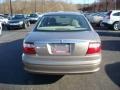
(19, 14)
(63, 13)
(115, 10)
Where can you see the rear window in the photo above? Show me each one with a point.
(18, 17)
(63, 23)
(33, 15)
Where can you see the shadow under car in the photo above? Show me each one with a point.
(12, 69)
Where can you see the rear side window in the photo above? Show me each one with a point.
(116, 14)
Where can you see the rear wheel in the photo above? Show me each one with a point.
(101, 24)
(116, 26)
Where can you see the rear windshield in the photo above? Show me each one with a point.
(33, 15)
(18, 17)
(63, 23)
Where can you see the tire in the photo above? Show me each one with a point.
(28, 23)
(101, 24)
(115, 26)
(24, 26)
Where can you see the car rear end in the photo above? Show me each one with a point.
(33, 18)
(63, 52)
(14, 24)
(107, 19)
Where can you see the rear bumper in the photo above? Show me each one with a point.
(106, 24)
(33, 21)
(70, 68)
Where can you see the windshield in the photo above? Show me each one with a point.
(63, 23)
(18, 17)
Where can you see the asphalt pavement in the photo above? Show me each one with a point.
(13, 76)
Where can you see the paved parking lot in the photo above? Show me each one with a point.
(13, 76)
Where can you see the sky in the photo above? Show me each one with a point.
(82, 1)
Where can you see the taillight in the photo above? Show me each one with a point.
(108, 17)
(108, 14)
(29, 48)
(94, 47)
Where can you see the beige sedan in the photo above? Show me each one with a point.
(62, 43)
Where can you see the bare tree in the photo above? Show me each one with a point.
(28, 6)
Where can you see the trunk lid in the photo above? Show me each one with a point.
(62, 43)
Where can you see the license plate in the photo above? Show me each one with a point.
(60, 49)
